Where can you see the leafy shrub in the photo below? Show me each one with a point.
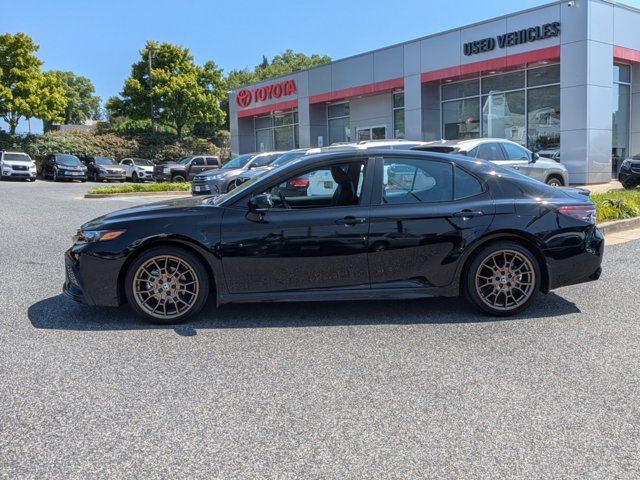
(142, 187)
(617, 205)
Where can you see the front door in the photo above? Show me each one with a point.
(305, 241)
(371, 133)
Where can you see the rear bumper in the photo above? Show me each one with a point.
(579, 262)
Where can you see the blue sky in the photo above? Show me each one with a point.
(101, 39)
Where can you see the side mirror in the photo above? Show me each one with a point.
(535, 157)
(260, 203)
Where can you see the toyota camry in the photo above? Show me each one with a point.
(393, 225)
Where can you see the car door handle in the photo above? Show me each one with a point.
(468, 214)
(350, 221)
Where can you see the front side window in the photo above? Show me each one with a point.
(198, 161)
(329, 186)
(516, 152)
(416, 181)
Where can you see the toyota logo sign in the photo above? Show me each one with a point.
(244, 97)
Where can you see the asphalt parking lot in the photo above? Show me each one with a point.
(385, 389)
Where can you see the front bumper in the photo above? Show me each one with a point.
(162, 177)
(21, 174)
(629, 175)
(111, 176)
(90, 279)
(72, 175)
(202, 187)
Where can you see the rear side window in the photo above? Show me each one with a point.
(416, 181)
(213, 161)
(466, 185)
(490, 151)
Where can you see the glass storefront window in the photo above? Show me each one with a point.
(461, 119)
(398, 115)
(522, 106)
(503, 116)
(339, 123)
(468, 88)
(503, 83)
(544, 118)
(278, 131)
(621, 111)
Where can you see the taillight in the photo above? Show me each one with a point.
(586, 213)
(299, 182)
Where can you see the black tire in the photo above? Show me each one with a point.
(480, 285)
(178, 179)
(197, 273)
(628, 186)
(83, 180)
(134, 178)
(54, 176)
(554, 181)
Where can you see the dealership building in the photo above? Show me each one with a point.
(562, 79)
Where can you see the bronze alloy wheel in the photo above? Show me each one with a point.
(505, 280)
(166, 287)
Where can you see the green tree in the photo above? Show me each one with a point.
(177, 93)
(79, 92)
(24, 90)
(288, 62)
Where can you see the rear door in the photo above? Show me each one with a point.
(423, 213)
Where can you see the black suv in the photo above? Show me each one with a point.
(185, 168)
(61, 166)
(100, 169)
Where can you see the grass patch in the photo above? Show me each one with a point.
(617, 205)
(142, 187)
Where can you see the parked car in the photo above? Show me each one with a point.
(226, 178)
(283, 159)
(552, 154)
(629, 174)
(507, 154)
(104, 169)
(185, 169)
(17, 165)
(61, 166)
(137, 169)
(462, 226)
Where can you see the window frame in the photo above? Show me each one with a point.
(365, 195)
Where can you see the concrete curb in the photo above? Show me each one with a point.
(137, 194)
(619, 225)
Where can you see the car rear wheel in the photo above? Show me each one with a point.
(629, 186)
(502, 279)
(178, 179)
(167, 285)
(555, 182)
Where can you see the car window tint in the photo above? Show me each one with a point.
(490, 151)
(212, 161)
(197, 161)
(516, 152)
(466, 185)
(416, 181)
(330, 186)
(473, 153)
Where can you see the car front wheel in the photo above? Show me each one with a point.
(554, 182)
(502, 279)
(167, 285)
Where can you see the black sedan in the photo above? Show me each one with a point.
(629, 174)
(447, 226)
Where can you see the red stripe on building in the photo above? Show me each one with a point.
(549, 53)
(252, 112)
(626, 54)
(377, 87)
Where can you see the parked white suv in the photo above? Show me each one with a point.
(17, 165)
(507, 154)
(138, 169)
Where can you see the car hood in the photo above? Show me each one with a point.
(17, 162)
(110, 167)
(256, 171)
(548, 163)
(166, 209)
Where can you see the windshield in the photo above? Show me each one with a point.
(68, 160)
(287, 157)
(142, 162)
(237, 162)
(184, 160)
(17, 157)
(104, 161)
(264, 160)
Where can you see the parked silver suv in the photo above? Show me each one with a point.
(507, 154)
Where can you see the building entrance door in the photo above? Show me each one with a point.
(371, 133)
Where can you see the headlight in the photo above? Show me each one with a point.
(211, 178)
(32, 167)
(90, 236)
(626, 164)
